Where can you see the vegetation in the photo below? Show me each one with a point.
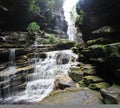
(51, 39)
(74, 13)
(34, 8)
(33, 29)
(79, 19)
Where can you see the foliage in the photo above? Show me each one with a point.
(33, 29)
(34, 8)
(51, 39)
(79, 19)
(74, 13)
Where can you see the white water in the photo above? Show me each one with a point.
(67, 7)
(12, 64)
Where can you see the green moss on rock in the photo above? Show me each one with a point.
(98, 86)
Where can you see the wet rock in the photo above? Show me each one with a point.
(111, 95)
(19, 87)
(62, 58)
(39, 55)
(76, 74)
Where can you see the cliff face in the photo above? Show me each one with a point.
(99, 23)
(16, 15)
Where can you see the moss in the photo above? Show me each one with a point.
(112, 50)
(89, 71)
(80, 18)
(93, 79)
(82, 84)
(75, 69)
(98, 86)
(51, 39)
(34, 8)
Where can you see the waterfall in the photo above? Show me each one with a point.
(12, 63)
(42, 82)
(67, 7)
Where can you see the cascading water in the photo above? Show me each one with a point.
(12, 64)
(45, 71)
(67, 7)
(42, 82)
(11, 70)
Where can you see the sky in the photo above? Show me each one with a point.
(69, 4)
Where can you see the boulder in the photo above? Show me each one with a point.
(92, 79)
(63, 81)
(111, 95)
(88, 69)
(76, 74)
(73, 96)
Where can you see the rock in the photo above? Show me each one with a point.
(112, 54)
(19, 72)
(88, 69)
(73, 97)
(98, 86)
(111, 95)
(4, 53)
(19, 87)
(62, 58)
(63, 45)
(40, 55)
(94, 51)
(64, 81)
(76, 74)
(23, 57)
(82, 84)
(92, 79)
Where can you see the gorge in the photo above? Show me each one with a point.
(59, 52)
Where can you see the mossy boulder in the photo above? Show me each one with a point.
(76, 74)
(92, 79)
(94, 51)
